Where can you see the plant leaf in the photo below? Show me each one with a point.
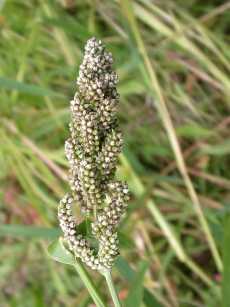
(59, 253)
(217, 150)
(194, 131)
(127, 272)
(22, 87)
(29, 231)
(136, 291)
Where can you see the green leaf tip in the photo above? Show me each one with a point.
(58, 252)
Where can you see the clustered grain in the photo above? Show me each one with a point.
(92, 151)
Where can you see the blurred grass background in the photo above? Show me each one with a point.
(172, 58)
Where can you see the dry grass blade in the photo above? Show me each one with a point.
(38, 152)
(222, 182)
(219, 10)
(196, 71)
(61, 39)
(166, 119)
(168, 231)
(178, 37)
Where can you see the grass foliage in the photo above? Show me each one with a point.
(172, 58)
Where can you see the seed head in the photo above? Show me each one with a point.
(92, 151)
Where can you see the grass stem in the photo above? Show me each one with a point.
(112, 289)
(89, 285)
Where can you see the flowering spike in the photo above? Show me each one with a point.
(92, 151)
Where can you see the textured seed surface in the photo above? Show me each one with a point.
(92, 151)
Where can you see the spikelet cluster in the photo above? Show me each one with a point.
(92, 151)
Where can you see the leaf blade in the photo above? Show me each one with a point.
(27, 231)
(136, 291)
(59, 253)
(127, 272)
(22, 87)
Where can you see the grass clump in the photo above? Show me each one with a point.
(172, 59)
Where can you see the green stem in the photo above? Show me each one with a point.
(89, 285)
(112, 289)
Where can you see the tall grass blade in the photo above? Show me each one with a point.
(127, 272)
(27, 231)
(135, 295)
(166, 119)
(22, 87)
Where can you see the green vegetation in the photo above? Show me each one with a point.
(172, 59)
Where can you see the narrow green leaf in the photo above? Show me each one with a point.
(29, 231)
(217, 150)
(127, 272)
(168, 230)
(135, 295)
(124, 268)
(226, 256)
(59, 253)
(194, 131)
(26, 88)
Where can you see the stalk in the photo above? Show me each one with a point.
(96, 297)
(112, 290)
